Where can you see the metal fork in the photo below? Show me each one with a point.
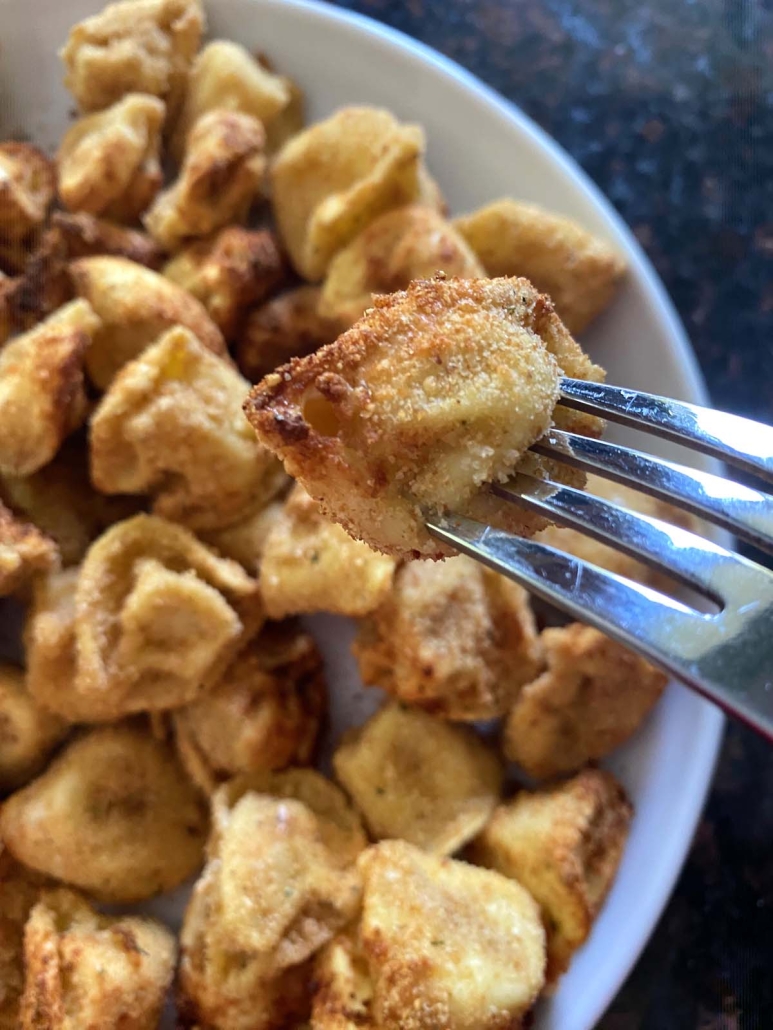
(725, 654)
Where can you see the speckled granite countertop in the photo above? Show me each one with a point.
(684, 88)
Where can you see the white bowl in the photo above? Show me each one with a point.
(480, 148)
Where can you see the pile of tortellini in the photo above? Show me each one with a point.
(189, 236)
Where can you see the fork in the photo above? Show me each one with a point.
(725, 654)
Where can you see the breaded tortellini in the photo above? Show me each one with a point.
(343, 995)
(229, 273)
(143, 46)
(149, 621)
(42, 395)
(109, 162)
(263, 713)
(136, 305)
(171, 424)
(27, 187)
(310, 564)
(83, 235)
(19, 891)
(220, 177)
(61, 501)
(412, 242)
(433, 393)
(417, 778)
(447, 944)
(225, 75)
(451, 637)
(24, 551)
(271, 896)
(87, 970)
(593, 696)
(286, 327)
(43, 286)
(113, 814)
(28, 733)
(563, 844)
(335, 177)
(579, 271)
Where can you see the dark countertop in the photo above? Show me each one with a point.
(668, 105)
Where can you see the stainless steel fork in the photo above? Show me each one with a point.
(725, 654)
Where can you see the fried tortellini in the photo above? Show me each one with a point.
(420, 779)
(263, 713)
(412, 242)
(332, 179)
(42, 395)
(171, 424)
(150, 620)
(28, 734)
(245, 541)
(271, 896)
(231, 272)
(447, 944)
(109, 162)
(83, 969)
(593, 696)
(577, 270)
(453, 638)
(303, 559)
(136, 305)
(113, 814)
(143, 46)
(385, 427)
(24, 551)
(226, 76)
(343, 996)
(288, 326)
(19, 891)
(563, 844)
(27, 186)
(220, 178)
(83, 235)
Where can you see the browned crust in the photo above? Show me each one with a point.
(84, 235)
(24, 551)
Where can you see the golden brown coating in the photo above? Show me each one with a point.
(42, 396)
(433, 393)
(86, 971)
(332, 179)
(27, 186)
(28, 734)
(49, 644)
(143, 46)
(158, 617)
(271, 896)
(451, 637)
(448, 945)
(109, 162)
(578, 271)
(290, 121)
(563, 844)
(229, 273)
(343, 995)
(24, 551)
(245, 541)
(171, 424)
(219, 179)
(407, 243)
(263, 713)
(113, 814)
(288, 326)
(136, 306)
(61, 502)
(590, 550)
(83, 235)
(225, 75)
(304, 557)
(7, 286)
(43, 286)
(419, 779)
(19, 890)
(590, 700)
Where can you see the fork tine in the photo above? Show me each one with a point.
(675, 551)
(745, 512)
(739, 441)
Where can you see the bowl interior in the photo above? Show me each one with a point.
(480, 148)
